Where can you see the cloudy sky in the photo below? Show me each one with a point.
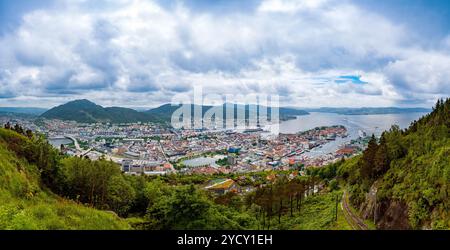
(140, 53)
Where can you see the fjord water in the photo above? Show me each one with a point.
(57, 142)
(371, 124)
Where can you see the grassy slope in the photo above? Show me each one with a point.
(316, 213)
(25, 205)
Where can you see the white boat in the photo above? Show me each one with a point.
(362, 133)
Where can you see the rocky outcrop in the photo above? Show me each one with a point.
(387, 214)
(367, 208)
(393, 215)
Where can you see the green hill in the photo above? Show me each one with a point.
(26, 203)
(85, 111)
(165, 111)
(125, 115)
(402, 180)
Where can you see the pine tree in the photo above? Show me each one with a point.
(18, 128)
(381, 160)
(29, 133)
(368, 166)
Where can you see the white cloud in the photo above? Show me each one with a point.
(138, 53)
(422, 72)
(290, 6)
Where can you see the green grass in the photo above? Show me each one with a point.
(25, 204)
(44, 212)
(368, 222)
(316, 213)
(341, 223)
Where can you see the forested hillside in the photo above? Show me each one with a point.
(25, 200)
(402, 180)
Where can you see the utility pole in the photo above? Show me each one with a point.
(375, 209)
(336, 209)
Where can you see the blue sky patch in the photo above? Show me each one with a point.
(350, 78)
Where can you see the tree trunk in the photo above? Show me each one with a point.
(279, 211)
(291, 200)
(91, 199)
(300, 201)
(264, 220)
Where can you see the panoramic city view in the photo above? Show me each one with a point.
(224, 115)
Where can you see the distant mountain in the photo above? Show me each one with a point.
(165, 111)
(78, 110)
(368, 111)
(88, 112)
(286, 112)
(20, 110)
(85, 111)
(16, 115)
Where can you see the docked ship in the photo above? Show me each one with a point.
(362, 133)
